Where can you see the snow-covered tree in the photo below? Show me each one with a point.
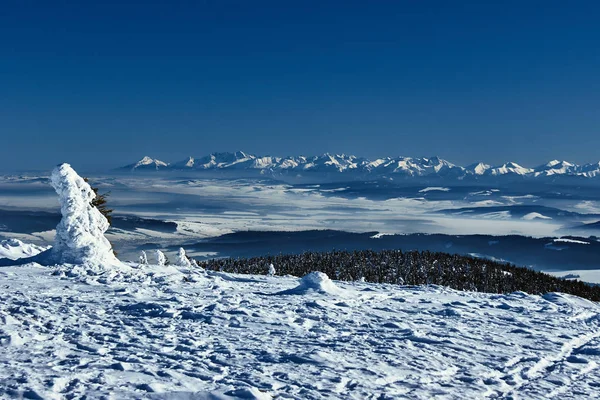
(100, 203)
(80, 233)
(272, 270)
(182, 259)
(143, 258)
(196, 265)
(161, 260)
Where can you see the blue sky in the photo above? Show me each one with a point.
(100, 85)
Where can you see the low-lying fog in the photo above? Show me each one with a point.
(206, 208)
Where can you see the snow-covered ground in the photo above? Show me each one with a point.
(226, 336)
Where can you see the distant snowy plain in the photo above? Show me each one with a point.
(210, 207)
(202, 208)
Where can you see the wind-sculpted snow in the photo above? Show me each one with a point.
(224, 336)
(80, 233)
(79, 247)
(182, 259)
(314, 282)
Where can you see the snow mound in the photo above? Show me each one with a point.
(317, 280)
(80, 233)
(314, 282)
(14, 249)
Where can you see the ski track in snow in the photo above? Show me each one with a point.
(228, 335)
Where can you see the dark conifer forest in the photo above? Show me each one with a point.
(410, 268)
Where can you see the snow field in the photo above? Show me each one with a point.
(219, 335)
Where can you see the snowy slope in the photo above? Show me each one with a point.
(152, 334)
(146, 163)
(14, 248)
(364, 168)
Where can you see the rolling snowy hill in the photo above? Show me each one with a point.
(355, 167)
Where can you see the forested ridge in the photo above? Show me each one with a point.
(410, 268)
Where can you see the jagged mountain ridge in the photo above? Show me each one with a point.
(350, 164)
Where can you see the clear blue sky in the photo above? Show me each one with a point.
(104, 84)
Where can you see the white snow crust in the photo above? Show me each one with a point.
(237, 336)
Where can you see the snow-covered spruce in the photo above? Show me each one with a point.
(410, 268)
(182, 259)
(160, 258)
(272, 270)
(80, 233)
(143, 258)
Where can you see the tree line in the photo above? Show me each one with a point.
(410, 268)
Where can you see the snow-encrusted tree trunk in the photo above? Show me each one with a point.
(80, 233)
(160, 258)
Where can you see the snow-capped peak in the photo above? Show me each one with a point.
(190, 162)
(14, 249)
(510, 168)
(555, 167)
(147, 163)
(384, 167)
(478, 168)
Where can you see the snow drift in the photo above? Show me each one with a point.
(314, 282)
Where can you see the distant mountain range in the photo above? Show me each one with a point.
(356, 167)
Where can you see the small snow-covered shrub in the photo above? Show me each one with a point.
(161, 260)
(182, 259)
(143, 258)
